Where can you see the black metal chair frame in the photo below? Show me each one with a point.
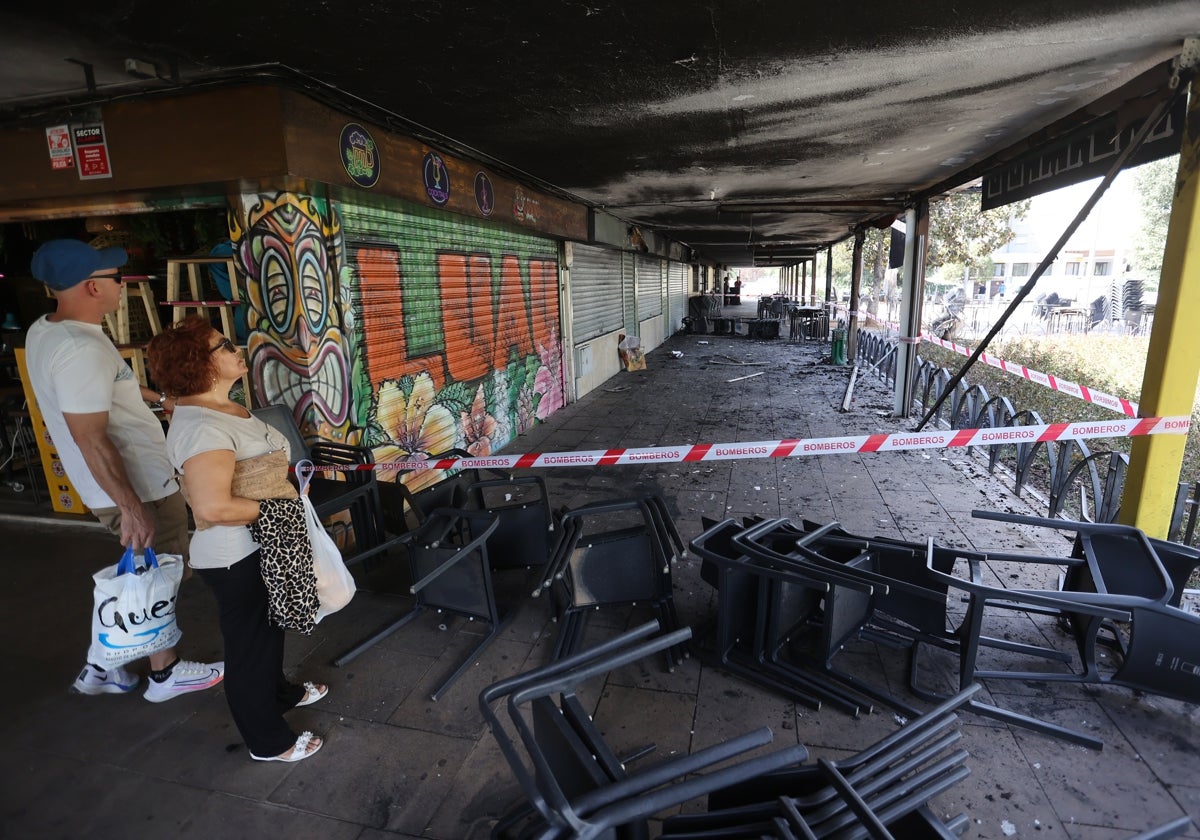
(623, 566)
(452, 490)
(756, 600)
(451, 573)
(525, 529)
(573, 795)
(1120, 569)
(865, 795)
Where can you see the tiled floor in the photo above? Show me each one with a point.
(398, 764)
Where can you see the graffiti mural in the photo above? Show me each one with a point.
(460, 347)
(290, 247)
(411, 334)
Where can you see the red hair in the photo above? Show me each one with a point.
(179, 358)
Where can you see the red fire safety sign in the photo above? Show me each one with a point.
(91, 152)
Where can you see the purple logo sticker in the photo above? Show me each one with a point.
(485, 196)
(360, 155)
(437, 179)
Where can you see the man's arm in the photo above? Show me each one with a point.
(90, 432)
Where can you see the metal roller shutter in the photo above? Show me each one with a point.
(649, 287)
(677, 296)
(471, 304)
(596, 299)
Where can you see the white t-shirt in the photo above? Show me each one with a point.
(195, 429)
(75, 369)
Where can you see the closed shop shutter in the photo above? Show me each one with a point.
(649, 287)
(471, 305)
(677, 296)
(596, 299)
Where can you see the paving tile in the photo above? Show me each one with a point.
(375, 775)
(456, 712)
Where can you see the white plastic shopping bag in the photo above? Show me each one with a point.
(134, 611)
(335, 584)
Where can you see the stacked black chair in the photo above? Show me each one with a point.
(759, 602)
(572, 783)
(525, 524)
(574, 787)
(881, 791)
(613, 554)
(791, 598)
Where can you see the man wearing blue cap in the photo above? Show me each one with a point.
(111, 444)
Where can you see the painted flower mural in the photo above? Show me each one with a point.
(479, 426)
(415, 425)
(548, 382)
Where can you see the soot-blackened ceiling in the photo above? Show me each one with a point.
(688, 118)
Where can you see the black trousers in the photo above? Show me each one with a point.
(255, 687)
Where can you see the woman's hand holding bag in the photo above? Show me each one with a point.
(335, 584)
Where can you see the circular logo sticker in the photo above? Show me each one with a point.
(359, 155)
(484, 194)
(437, 179)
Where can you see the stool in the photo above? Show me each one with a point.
(118, 324)
(197, 303)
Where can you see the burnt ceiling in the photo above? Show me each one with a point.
(737, 128)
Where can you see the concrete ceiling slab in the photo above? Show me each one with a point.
(684, 117)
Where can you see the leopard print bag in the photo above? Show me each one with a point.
(287, 564)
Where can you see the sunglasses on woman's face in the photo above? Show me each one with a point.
(227, 344)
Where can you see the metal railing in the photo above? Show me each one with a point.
(1075, 482)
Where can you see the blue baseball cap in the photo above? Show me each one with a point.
(63, 263)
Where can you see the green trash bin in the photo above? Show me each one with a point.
(838, 353)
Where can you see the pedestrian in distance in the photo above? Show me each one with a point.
(234, 469)
(110, 442)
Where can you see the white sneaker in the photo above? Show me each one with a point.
(95, 680)
(185, 677)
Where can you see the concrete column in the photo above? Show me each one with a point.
(855, 282)
(916, 230)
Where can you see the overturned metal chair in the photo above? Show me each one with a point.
(614, 554)
(571, 783)
(1117, 568)
(762, 601)
(880, 792)
(525, 524)
(448, 558)
(405, 507)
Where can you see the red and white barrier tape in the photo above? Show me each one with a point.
(1063, 386)
(798, 447)
(1129, 409)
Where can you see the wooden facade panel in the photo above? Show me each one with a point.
(213, 137)
(313, 133)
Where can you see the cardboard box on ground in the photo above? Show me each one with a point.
(630, 350)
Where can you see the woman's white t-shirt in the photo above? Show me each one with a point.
(194, 430)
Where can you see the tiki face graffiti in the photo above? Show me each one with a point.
(296, 346)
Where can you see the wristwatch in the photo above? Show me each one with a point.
(162, 398)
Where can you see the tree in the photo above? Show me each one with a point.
(961, 234)
(876, 244)
(1155, 184)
